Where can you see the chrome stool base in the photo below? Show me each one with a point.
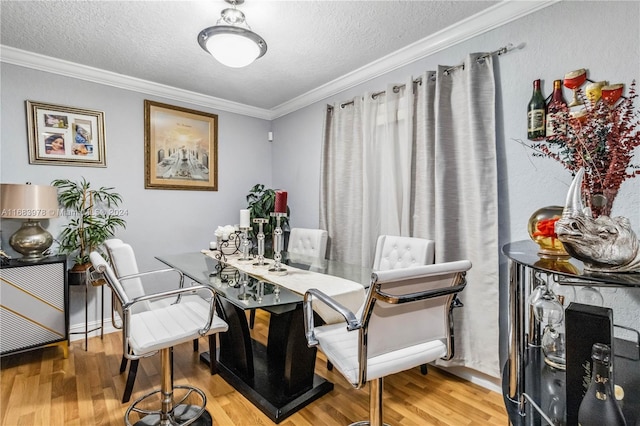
(180, 414)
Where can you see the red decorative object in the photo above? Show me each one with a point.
(541, 227)
(281, 202)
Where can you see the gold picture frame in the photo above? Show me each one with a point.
(65, 136)
(180, 148)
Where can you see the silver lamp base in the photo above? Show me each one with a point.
(31, 240)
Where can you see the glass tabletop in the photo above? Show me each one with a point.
(246, 291)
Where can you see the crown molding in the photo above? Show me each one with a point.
(39, 62)
(482, 22)
(492, 17)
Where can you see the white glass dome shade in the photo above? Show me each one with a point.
(231, 41)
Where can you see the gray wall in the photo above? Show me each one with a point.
(158, 221)
(559, 39)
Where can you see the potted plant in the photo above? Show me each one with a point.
(262, 202)
(93, 218)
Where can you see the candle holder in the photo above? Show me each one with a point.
(276, 293)
(260, 238)
(278, 242)
(260, 291)
(244, 236)
(244, 281)
(227, 247)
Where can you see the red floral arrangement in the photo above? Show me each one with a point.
(601, 138)
(546, 228)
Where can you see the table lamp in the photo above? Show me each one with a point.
(33, 203)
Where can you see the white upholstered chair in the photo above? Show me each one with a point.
(405, 322)
(394, 252)
(304, 242)
(124, 264)
(149, 329)
(308, 242)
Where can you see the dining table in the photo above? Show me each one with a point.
(279, 377)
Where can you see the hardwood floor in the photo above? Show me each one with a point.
(42, 388)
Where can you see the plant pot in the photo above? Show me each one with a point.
(77, 275)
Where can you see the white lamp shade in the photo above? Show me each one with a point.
(233, 50)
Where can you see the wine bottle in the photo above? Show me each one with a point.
(557, 112)
(599, 406)
(535, 114)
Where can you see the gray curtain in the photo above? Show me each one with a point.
(443, 178)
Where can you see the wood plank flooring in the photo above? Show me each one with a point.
(40, 387)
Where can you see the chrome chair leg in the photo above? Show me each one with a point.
(375, 404)
(171, 412)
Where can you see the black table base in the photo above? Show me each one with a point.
(278, 378)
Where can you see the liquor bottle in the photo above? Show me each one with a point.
(557, 112)
(599, 406)
(535, 114)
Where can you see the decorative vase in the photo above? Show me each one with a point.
(603, 244)
(600, 203)
(541, 228)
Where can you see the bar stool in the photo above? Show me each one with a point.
(150, 331)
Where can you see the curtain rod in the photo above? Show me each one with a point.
(480, 59)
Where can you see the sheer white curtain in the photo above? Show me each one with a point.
(422, 162)
(366, 184)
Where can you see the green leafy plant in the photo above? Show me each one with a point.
(262, 202)
(93, 217)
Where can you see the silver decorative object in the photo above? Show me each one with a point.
(260, 238)
(603, 244)
(278, 244)
(245, 244)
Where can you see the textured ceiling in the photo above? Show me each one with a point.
(310, 43)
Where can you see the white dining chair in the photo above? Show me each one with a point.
(149, 329)
(123, 262)
(305, 242)
(308, 242)
(395, 252)
(378, 341)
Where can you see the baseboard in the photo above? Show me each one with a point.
(78, 329)
(474, 376)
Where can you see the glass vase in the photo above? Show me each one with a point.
(542, 231)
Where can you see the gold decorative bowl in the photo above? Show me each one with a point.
(541, 229)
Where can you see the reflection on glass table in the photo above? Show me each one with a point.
(278, 377)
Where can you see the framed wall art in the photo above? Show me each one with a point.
(65, 136)
(180, 148)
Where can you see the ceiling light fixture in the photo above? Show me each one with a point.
(231, 41)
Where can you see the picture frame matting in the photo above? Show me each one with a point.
(65, 136)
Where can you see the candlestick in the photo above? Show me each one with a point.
(245, 244)
(281, 202)
(244, 218)
(260, 238)
(277, 243)
(244, 281)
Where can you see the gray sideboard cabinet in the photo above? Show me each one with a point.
(34, 304)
